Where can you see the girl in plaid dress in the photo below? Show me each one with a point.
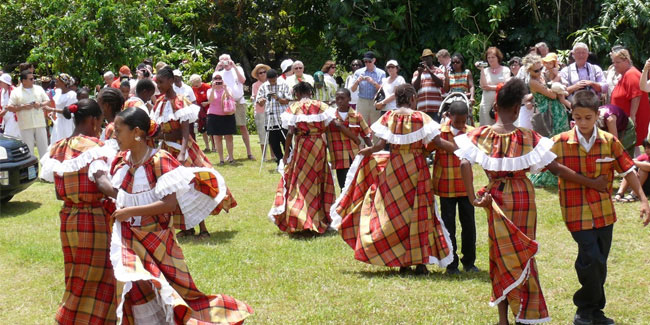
(387, 205)
(111, 101)
(174, 114)
(78, 167)
(153, 281)
(306, 190)
(506, 153)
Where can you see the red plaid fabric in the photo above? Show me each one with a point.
(585, 208)
(150, 257)
(446, 176)
(341, 148)
(85, 237)
(512, 225)
(305, 193)
(109, 131)
(429, 95)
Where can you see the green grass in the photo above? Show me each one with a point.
(317, 280)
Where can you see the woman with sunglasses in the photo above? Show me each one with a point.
(460, 80)
(545, 99)
(349, 81)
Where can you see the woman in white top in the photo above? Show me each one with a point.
(9, 120)
(63, 97)
(491, 76)
(389, 84)
(354, 95)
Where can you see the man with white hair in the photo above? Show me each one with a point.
(582, 74)
(180, 88)
(109, 77)
(299, 75)
(234, 78)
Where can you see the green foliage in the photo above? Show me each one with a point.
(627, 22)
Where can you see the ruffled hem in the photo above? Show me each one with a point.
(535, 160)
(196, 205)
(50, 166)
(349, 178)
(427, 133)
(289, 119)
(279, 209)
(523, 277)
(188, 113)
(533, 321)
(450, 257)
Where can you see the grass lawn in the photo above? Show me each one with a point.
(317, 280)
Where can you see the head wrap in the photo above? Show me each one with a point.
(66, 79)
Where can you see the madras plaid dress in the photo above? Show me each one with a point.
(341, 148)
(153, 279)
(89, 296)
(512, 219)
(387, 208)
(446, 177)
(585, 208)
(305, 192)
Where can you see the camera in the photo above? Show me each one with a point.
(423, 64)
(269, 96)
(481, 64)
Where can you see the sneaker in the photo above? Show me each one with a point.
(453, 271)
(471, 269)
(580, 320)
(601, 319)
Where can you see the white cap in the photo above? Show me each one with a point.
(6, 78)
(177, 73)
(392, 62)
(285, 65)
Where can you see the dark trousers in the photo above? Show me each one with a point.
(591, 267)
(467, 224)
(341, 174)
(276, 141)
(436, 116)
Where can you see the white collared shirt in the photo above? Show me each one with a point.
(587, 144)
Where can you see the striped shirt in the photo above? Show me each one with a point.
(273, 108)
(459, 81)
(429, 95)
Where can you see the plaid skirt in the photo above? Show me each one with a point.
(194, 156)
(305, 192)
(512, 221)
(150, 270)
(388, 212)
(89, 296)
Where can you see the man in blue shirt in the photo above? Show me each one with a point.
(368, 81)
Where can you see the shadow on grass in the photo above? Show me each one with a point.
(17, 208)
(435, 273)
(307, 235)
(216, 237)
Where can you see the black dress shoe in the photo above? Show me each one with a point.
(452, 271)
(404, 269)
(471, 269)
(580, 320)
(601, 319)
(421, 269)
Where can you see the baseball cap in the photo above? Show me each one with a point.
(177, 73)
(124, 70)
(286, 65)
(6, 78)
(369, 55)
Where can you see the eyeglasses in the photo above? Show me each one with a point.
(299, 68)
(30, 79)
(537, 70)
(261, 72)
(367, 60)
(391, 67)
(455, 62)
(333, 67)
(514, 64)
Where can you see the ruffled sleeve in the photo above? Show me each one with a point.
(535, 160)
(293, 115)
(96, 158)
(384, 128)
(188, 112)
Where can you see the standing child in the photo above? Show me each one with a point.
(448, 184)
(589, 215)
(343, 136)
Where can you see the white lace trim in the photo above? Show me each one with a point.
(349, 178)
(450, 257)
(289, 119)
(188, 113)
(536, 160)
(164, 296)
(427, 133)
(196, 205)
(97, 166)
(50, 166)
(278, 210)
(520, 280)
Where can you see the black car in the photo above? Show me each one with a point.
(18, 167)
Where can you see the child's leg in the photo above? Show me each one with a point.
(591, 268)
(503, 312)
(448, 215)
(468, 231)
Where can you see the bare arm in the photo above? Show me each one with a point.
(444, 144)
(634, 107)
(559, 170)
(417, 84)
(287, 143)
(185, 129)
(633, 181)
(538, 87)
(377, 147)
(611, 125)
(104, 184)
(470, 78)
(644, 84)
(468, 179)
(167, 204)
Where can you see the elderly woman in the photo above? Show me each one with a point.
(628, 95)
(329, 68)
(200, 90)
(545, 100)
(259, 73)
(63, 97)
(491, 76)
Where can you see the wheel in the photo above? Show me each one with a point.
(6, 199)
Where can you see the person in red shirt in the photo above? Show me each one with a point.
(200, 89)
(642, 164)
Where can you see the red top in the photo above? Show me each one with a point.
(626, 89)
(201, 93)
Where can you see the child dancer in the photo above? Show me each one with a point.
(78, 167)
(153, 281)
(590, 215)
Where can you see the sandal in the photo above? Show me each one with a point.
(631, 198)
(231, 161)
(204, 234)
(619, 198)
(185, 233)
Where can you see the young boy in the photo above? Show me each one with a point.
(343, 135)
(589, 215)
(448, 185)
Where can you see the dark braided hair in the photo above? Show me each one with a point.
(113, 97)
(302, 88)
(136, 117)
(511, 94)
(82, 110)
(144, 85)
(166, 73)
(404, 93)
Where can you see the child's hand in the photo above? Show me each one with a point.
(645, 212)
(483, 202)
(366, 151)
(122, 214)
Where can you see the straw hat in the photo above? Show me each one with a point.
(425, 53)
(257, 68)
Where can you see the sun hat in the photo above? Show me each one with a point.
(257, 68)
(425, 53)
(6, 78)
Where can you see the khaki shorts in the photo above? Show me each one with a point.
(260, 124)
(240, 114)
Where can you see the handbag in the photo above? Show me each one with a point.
(543, 121)
(228, 104)
(381, 95)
